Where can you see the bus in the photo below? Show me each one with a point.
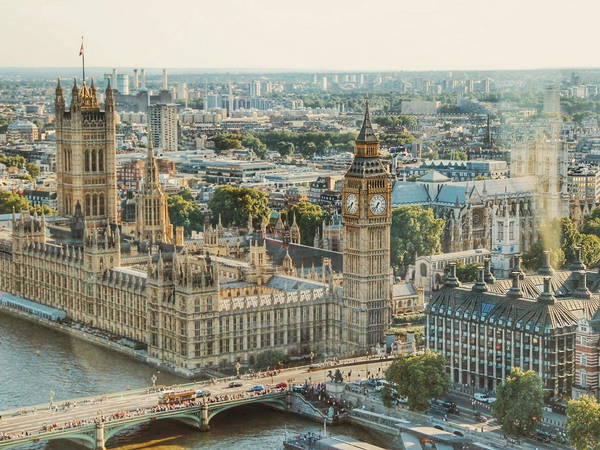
(170, 397)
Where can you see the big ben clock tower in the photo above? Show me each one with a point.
(366, 209)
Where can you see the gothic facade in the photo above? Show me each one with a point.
(204, 304)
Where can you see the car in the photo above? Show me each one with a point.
(202, 393)
(480, 418)
(480, 396)
(282, 385)
(542, 436)
(458, 433)
(439, 427)
(298, 388)
(234, 384)
(257, 388)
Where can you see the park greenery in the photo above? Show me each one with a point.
(285, 142)
(185, 212)
(519, 402)
(33, 170)
(309, 218)
(270, 359)
(415, 231)
(583, 423)
(560, 237)
(467, 273)
(11, 201)
(419, 377)
(235, 204)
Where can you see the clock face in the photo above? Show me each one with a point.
(351, 203)
(377, 204)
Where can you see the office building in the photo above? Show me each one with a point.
(162, 119)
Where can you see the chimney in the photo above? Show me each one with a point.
(546, 296)
(451, 280)
(581, 290)
(489, 276)
(136, 81)
(546, 269)
(165, 81)
(515, 290)
(480, 285)
(577, 263)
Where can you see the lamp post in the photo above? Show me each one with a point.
(52, 396)
(312, 356)
(153, 379)
(237, 368)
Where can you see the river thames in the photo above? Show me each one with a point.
(35, 361)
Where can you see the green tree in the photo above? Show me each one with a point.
(32, 169)
(270, 359)
(309, 218)
(519, 402)
(235, 204)
(10, 201)
(419, 377)
(309, 150)
(252, 142)
(432, 154)
(185, 213)
(583, 423)
(227, 141)
(592, 226)
(415, 230)
(285, 148)
(534, 258)
(467, 273)
(460, 156)
(43, 209)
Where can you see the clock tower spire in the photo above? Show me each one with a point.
(366, 211)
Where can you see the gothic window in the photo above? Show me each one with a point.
(101, 160)
(500, 231)
(209, 303)
(94, 204)
(86, 159)
(101, 204)
(88, 206)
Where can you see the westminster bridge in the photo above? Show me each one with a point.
(93, 421)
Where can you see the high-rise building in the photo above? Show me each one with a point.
(123, 83)
(324, 83)
(86, 173)
(165, 80)
(552, 100)
(136, 80)
(182, 91)
(366, 196)
(255, 88)
(143, 86)
(162, 119)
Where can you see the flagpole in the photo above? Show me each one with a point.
(82, 53)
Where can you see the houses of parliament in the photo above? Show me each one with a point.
(195, 305)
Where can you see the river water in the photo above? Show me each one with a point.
(35, 361)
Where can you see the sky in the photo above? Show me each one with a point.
(344, 35)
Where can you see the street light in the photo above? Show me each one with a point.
(52, 396)
(312, 356)
(237, 368)
(153, 379)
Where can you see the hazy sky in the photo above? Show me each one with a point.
(305, 34)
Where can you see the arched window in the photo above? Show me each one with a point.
(94, 205)
(101, 204)
(86, 159)
(209, 303)
(94, 156)
(101, 160)
(88, 205)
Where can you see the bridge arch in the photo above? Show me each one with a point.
(187, 418)
(85, 440)
(276, 402)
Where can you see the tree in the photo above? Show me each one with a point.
(270, 359)
(235, 204)
(227, 141)
(583, 423)
(415, 230)
(255, 144)
(309, 218)
(185, 213)
(43, 209)
(519, 402)
(534, 258)
(592, 226)
(419, 377)
(285, 148)
(309, 150)
(10, 202)
(467, 273)
(32, 169)
(432, 154)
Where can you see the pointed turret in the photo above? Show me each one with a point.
(59, 99)
(109, 99)
(366, 134)
(74, 95)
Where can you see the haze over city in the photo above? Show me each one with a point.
(346, 35)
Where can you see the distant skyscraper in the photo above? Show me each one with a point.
(136, 80)
(182, 91)
(113, 81)
(165, 80)
(362, 79)
(255, 88)
(552, 100)
(123, 83)
(324, 83)
(143, 79)
(162, 119)
(315, 79)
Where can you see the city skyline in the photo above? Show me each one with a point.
(433, 35)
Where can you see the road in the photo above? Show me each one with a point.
(32, 419)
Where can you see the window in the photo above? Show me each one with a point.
(500, 231)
